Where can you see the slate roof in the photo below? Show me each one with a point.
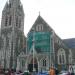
(38, 21)
(70, 42)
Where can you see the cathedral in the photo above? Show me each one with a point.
(12, 33)
(41, 49)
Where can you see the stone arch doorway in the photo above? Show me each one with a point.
(30, 65)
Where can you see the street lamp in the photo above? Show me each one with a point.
(33, 47)
(52, 52)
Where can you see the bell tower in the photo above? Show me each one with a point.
(13, 15)
(12, 32)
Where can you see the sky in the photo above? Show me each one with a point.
(59, 14)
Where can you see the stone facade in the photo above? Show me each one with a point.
(44, 49)
(56, 54)
(12, 33)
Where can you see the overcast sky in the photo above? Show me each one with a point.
(59, 14)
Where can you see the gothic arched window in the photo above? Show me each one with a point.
(44, 62)
(7, 42)
(10, 5)
(70, 56)
(10, 20)
(61, 56)
(1, 43)
(17, 21)
(60, 59)
(6, 21)
(39, 27)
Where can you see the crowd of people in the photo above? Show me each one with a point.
(52, 71)
(10, 72)
(55, 71)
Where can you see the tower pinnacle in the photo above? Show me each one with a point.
(39, 13)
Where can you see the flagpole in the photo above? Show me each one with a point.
(53, 47)
(33, 48)
(26, 54)
(50, 54)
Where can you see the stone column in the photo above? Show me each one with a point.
(10, 48)
(2, 54)
(38, 65)
(18, 64)
(14, 54)
(5, 52)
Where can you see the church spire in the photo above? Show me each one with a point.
(14, 3)
(39, 13)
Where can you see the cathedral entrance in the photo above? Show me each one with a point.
(33, 63)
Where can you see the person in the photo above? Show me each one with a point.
(52, 71)
(9, 72)
(12, 73)
(71, 70)
(56, 71)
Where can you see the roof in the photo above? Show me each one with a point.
(70, 42)
(38, 21)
